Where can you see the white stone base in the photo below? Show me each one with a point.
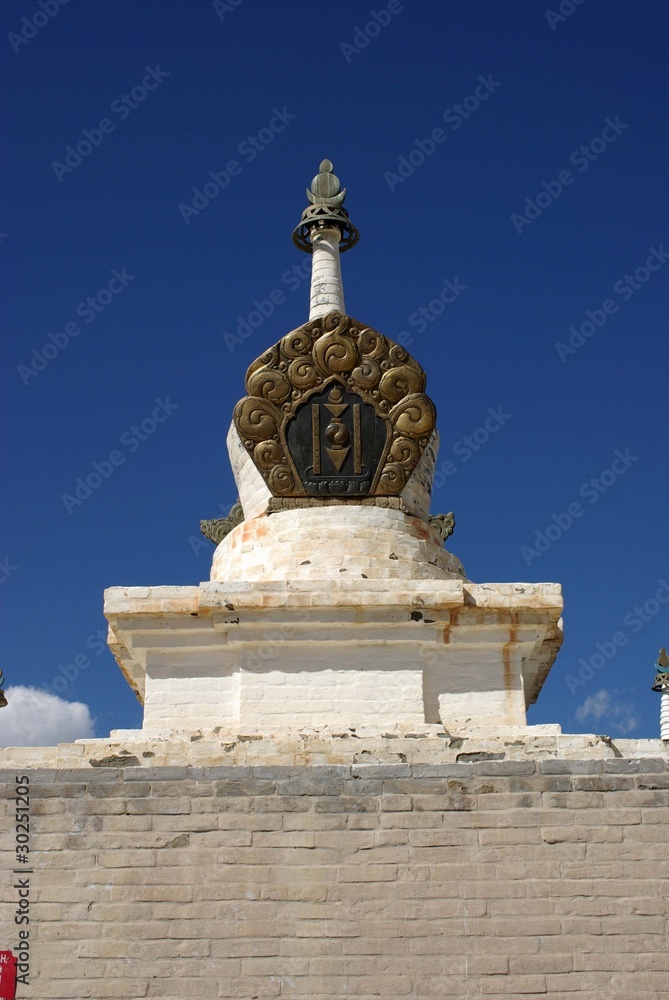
(346, 652)
(324, 543)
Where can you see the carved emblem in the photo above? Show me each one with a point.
(335, 409)
(444, 523)
(216, 530)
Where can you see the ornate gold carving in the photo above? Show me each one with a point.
(216, 530)
(414, 416)
(257, 420)
(282, 482)
(400, 382)
(302, 373)
(267, 454)
(406, 452)
(335, 351)
(444, 523)
(393, 479)
(270, 384)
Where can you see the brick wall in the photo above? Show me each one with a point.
(507, 878)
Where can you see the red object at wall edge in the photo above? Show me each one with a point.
(7, 976)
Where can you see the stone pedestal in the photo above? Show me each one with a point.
(340, 544)
(277, 655)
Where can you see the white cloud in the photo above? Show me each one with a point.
(618, 715)
(33, 718)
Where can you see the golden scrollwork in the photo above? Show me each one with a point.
(295, 344)
(257, 420)
(406, 452)
(302, 372)
(372, 344)
(267, 455)
(399, 382)
(281, 481)
(335, 349)
(367, 375)
(414, 416)
(393, 479)
(270, 384)
(336, 353)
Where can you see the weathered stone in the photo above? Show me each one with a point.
(266, 654)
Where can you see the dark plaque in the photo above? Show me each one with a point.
(336, 442)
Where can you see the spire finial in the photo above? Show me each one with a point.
(325, 187)
(325, 211)
(662, 672)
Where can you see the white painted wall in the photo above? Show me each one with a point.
(277, 655)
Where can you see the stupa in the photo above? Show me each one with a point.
(335, 791)
(333, 601)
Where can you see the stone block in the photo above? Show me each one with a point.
(519, 985)
(567, 766)
(395, 803)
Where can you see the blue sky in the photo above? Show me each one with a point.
(519, 156)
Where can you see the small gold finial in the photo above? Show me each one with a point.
(662, 673)
(325, 210)
(325, 187)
